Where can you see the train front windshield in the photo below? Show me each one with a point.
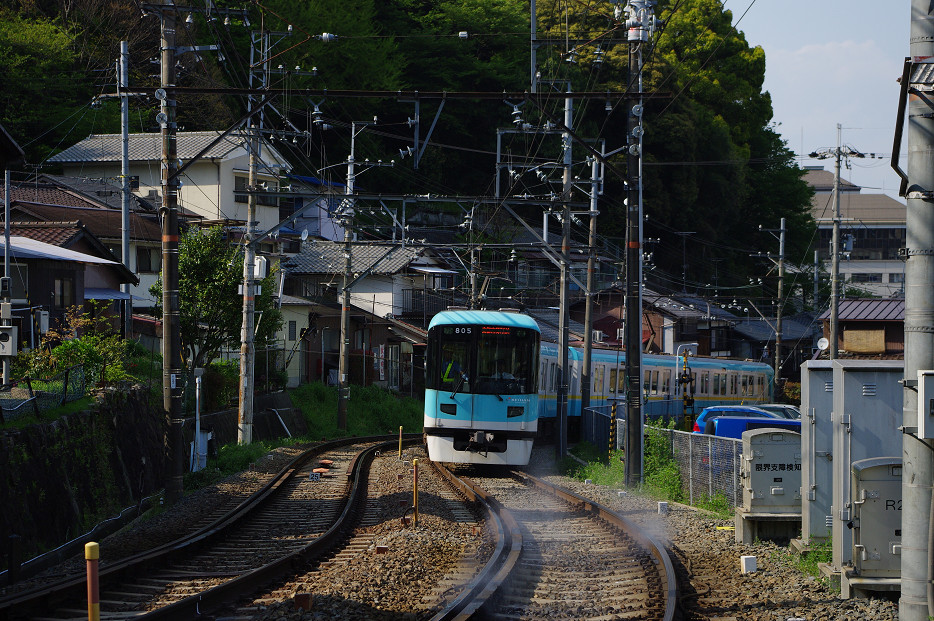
(479, 359)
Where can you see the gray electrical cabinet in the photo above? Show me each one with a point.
(867, 412)
(816, 450)
(876, 499)
(771, 471)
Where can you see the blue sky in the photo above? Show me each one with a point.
(829, 62)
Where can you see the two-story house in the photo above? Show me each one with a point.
(215, 186)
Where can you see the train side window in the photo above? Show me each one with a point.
(744, 384)
(654, 382)
(666, 382)
(716, 383)
(646, 381)
(612, 385)
(597, 379)
(733, 386)
(621, 382)
(554, 377)
(703, 387)
(760, 385)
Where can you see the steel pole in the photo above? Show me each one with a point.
(917, 600)
(587, 367)
(125, 176)
(835, 252)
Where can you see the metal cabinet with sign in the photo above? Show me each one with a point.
(770, 471)
(876, 493)
(867, 411)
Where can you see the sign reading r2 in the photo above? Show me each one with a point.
(893, 505)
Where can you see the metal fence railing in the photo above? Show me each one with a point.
(709, 465)
(37, 395)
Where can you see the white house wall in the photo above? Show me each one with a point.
(374, 295)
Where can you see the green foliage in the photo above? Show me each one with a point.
(220, 384)
(600, 469)
(231, 458)
(370, 410)
(210, 268)
(82, 338)
(717, 504)
(818, 552)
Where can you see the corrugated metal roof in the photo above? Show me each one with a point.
(25, 248)
(869, 309)
(328, 258)
(148, 147)
(758, 329)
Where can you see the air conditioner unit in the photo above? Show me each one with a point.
(597, 336)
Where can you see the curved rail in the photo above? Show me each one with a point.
(485, 585)
(74, 587)
(504, 557)
(631, 528)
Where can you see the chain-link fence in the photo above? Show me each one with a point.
(35, 396)
(709, 465)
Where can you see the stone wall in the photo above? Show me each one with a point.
(61, 478)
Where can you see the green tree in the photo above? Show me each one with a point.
(210, 270)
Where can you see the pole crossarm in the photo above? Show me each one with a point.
(553, 255)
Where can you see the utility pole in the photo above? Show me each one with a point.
(684, 258)
(171, 329)
(587, 366)
(777, 360)
(564, 332)
(247, 344)
(125, 177)
(915, 603)
(640, 23)
(838, 154)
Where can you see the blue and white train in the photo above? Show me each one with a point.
(491, 386)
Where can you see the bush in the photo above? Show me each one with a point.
(370, 411)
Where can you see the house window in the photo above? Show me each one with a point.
(148, 260)
(63, 293)
(866, 277)
(240, 188)
(292, 328)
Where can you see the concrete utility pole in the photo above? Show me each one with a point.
(125, 177)
(917, 592)
(564, 332)
(247, 326)
(640, 23)
(587, 366)
(840, 152)
(171, 330)
(777, 360)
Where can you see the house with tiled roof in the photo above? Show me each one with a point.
(57, 265)
(872, 233)
(388, 313)
(213, 186)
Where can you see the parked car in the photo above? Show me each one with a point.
(734, 426)
(785, 409)
(704, 421)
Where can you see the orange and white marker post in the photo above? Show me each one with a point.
(92, 556)
(400, 441)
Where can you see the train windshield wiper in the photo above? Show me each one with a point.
(459, 383)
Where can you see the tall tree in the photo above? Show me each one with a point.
(210, 270)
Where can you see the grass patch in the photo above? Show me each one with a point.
(601, 469)
(231, 458)
(370, 411)
(716, 504)
(819, 552)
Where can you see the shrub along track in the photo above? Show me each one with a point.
(289, 518)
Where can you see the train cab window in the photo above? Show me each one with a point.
(507, 360)
(597, 380)
(612, 386)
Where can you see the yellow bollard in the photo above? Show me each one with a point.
(92, 556)
(400, 441)
(612, 430)
(415, 489)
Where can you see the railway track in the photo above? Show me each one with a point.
(290, 519)
(562, 556)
